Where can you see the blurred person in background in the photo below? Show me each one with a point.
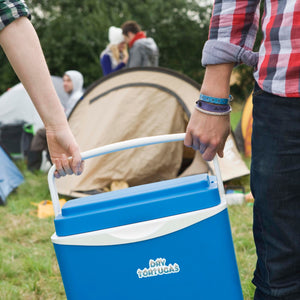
(115, 56)
(143, 51)
(73, 86)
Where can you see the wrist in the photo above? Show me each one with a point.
(56, 127)
(213, 105)
(216, 82)
(56, 121)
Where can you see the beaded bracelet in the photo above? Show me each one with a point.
(214, 100)
(211, 109)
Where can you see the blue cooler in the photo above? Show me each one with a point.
(164, 240)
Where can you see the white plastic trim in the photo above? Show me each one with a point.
(138, 231)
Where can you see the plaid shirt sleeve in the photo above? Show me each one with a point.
(232, 33)
(11, 10)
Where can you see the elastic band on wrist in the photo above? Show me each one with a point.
(211, 109)
(214, 100)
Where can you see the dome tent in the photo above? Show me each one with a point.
(134, 103)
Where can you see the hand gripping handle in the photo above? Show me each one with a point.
(134, 143)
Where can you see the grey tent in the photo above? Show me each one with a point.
(17, 113)
(134, 103)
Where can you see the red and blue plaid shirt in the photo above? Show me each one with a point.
(232, 34)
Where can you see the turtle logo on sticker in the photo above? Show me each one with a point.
(158, 267)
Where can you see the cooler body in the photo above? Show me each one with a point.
(167, 240)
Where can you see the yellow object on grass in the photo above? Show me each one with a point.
(118, 185)
(45, 208)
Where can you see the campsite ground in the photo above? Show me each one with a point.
(28, 266)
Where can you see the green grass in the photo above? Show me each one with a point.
(241, 227)
(28, 266)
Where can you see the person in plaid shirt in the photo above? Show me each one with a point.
(275, 165)
(22, 48)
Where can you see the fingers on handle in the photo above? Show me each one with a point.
(221, 150)
(59, 168)
(188, 140)
(194, 141)
(66, 164)
(213, 149)
(197, 144)
(77, 163)
(209, 153)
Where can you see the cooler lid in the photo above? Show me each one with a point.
(137, 204)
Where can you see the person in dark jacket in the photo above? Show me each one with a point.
(143, 51)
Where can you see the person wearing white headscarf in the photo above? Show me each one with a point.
(73, 85)
(115, 56)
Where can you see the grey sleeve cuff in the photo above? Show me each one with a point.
(219, 52)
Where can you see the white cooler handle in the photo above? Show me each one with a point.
(134, 143)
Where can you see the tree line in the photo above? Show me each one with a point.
(74, 32)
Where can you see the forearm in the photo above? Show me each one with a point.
(22, 48)
(216, 81)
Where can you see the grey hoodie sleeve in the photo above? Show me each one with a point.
(136, 57)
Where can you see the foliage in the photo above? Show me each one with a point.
(73, 33)
(243, 86)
